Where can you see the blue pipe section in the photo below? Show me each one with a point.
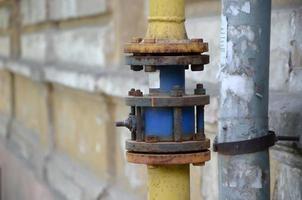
(170, 77)
(159, 121)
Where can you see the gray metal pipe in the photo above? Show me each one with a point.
(244, 77)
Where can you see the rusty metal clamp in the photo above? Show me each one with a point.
(250, 146)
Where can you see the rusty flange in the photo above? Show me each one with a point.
(151, 46)
(168, 101)
(168, 60)
(169, 159)
(167, 147)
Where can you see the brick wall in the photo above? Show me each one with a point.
(61, 83)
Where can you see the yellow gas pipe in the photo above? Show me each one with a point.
(166, 20)
(169, 182)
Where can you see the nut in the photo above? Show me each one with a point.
(197, 40)
(197, 67)
(177, 91)
(138, 93)
(136, 40)
(199, 90)
(136, 67)
(131, 92)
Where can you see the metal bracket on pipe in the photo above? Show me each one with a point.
(250, 146)
(245, 146)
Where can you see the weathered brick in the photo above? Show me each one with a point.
(34, 46)
(31, 107)
(73, 181)
(15, 174)
(33, 11)
(5, 100)
(63, 9)
(130, 20)
(4, 17)
(5, 91)
(80, 125)
(4, 46)
(83, 46)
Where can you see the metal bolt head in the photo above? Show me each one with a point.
(136, 67)
(199, 85)
(199, 90)
(197, 40)
(138, 93)
(177, 91)
(131, 92)
(197, 67)
(136, 40)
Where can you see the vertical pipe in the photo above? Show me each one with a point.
(166, 21)
(244, 79)
(169, 182)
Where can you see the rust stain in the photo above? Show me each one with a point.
(167, 47)
(168, 159)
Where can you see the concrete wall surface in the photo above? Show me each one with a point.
(62, 80)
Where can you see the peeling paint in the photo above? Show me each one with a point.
(236, 32)
(241, 86)
(243, 113)
(246, 7)
(241, 174)
(234, 10)
(237, 8)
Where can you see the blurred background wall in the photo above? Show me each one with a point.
(62, 80)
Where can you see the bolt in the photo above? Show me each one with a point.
(138, 93)
(136, 67)
(199, 85)
(198, 164)
(197, 67)
(199, 90)
(136, 40)
(177, 91)
(197, 40)
(131, 92)
(121, 124)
